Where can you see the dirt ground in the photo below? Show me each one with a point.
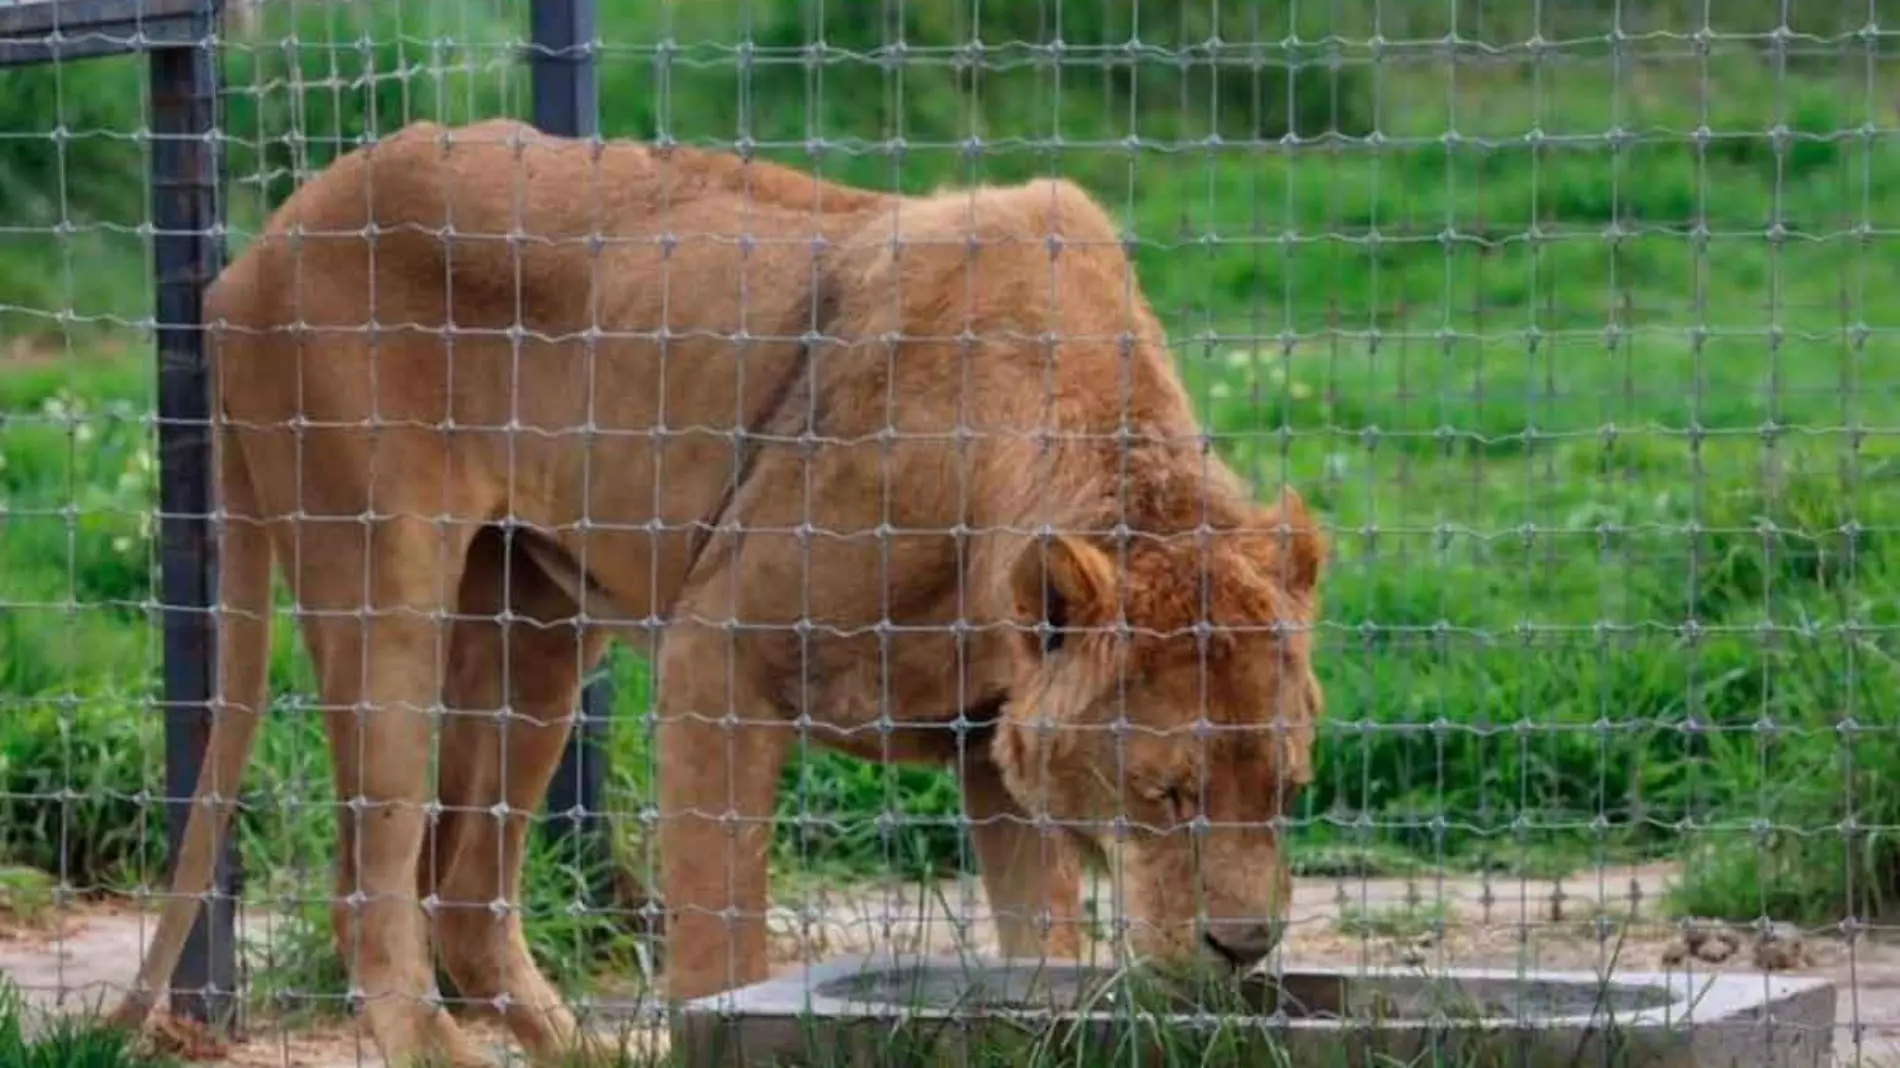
(1606, 920)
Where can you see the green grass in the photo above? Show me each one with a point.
(1138, 1025)
(64, 1041)
(1614, 519)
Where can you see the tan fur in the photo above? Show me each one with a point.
(454, 328)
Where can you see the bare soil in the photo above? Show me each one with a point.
(1601, 921)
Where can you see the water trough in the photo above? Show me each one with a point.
(884, 1009)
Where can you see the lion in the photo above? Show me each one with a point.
(912, 476)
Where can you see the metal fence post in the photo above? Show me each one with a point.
(187, 252)
(562, 76)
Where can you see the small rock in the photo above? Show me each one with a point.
(1715, 950)
(1780, 948)
(1710, 941)
(1696, 931)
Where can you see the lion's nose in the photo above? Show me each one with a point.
(1243, 944)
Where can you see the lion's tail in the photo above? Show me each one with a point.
(244, 647)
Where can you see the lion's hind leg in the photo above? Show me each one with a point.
(371, 607)
(511, 693)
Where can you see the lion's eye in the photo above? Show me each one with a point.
(1046, 635)
(1041, 643)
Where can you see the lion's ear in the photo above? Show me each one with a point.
(1063, 579)
(1299, 550)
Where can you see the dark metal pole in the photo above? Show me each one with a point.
(562, 75)
(578, 787)
(562, 72)
(187, 252)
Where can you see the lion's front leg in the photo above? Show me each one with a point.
(1032, 877)
(720, 746)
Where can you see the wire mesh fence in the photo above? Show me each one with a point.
(889, 412)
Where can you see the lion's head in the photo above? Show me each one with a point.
(1164, 712)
